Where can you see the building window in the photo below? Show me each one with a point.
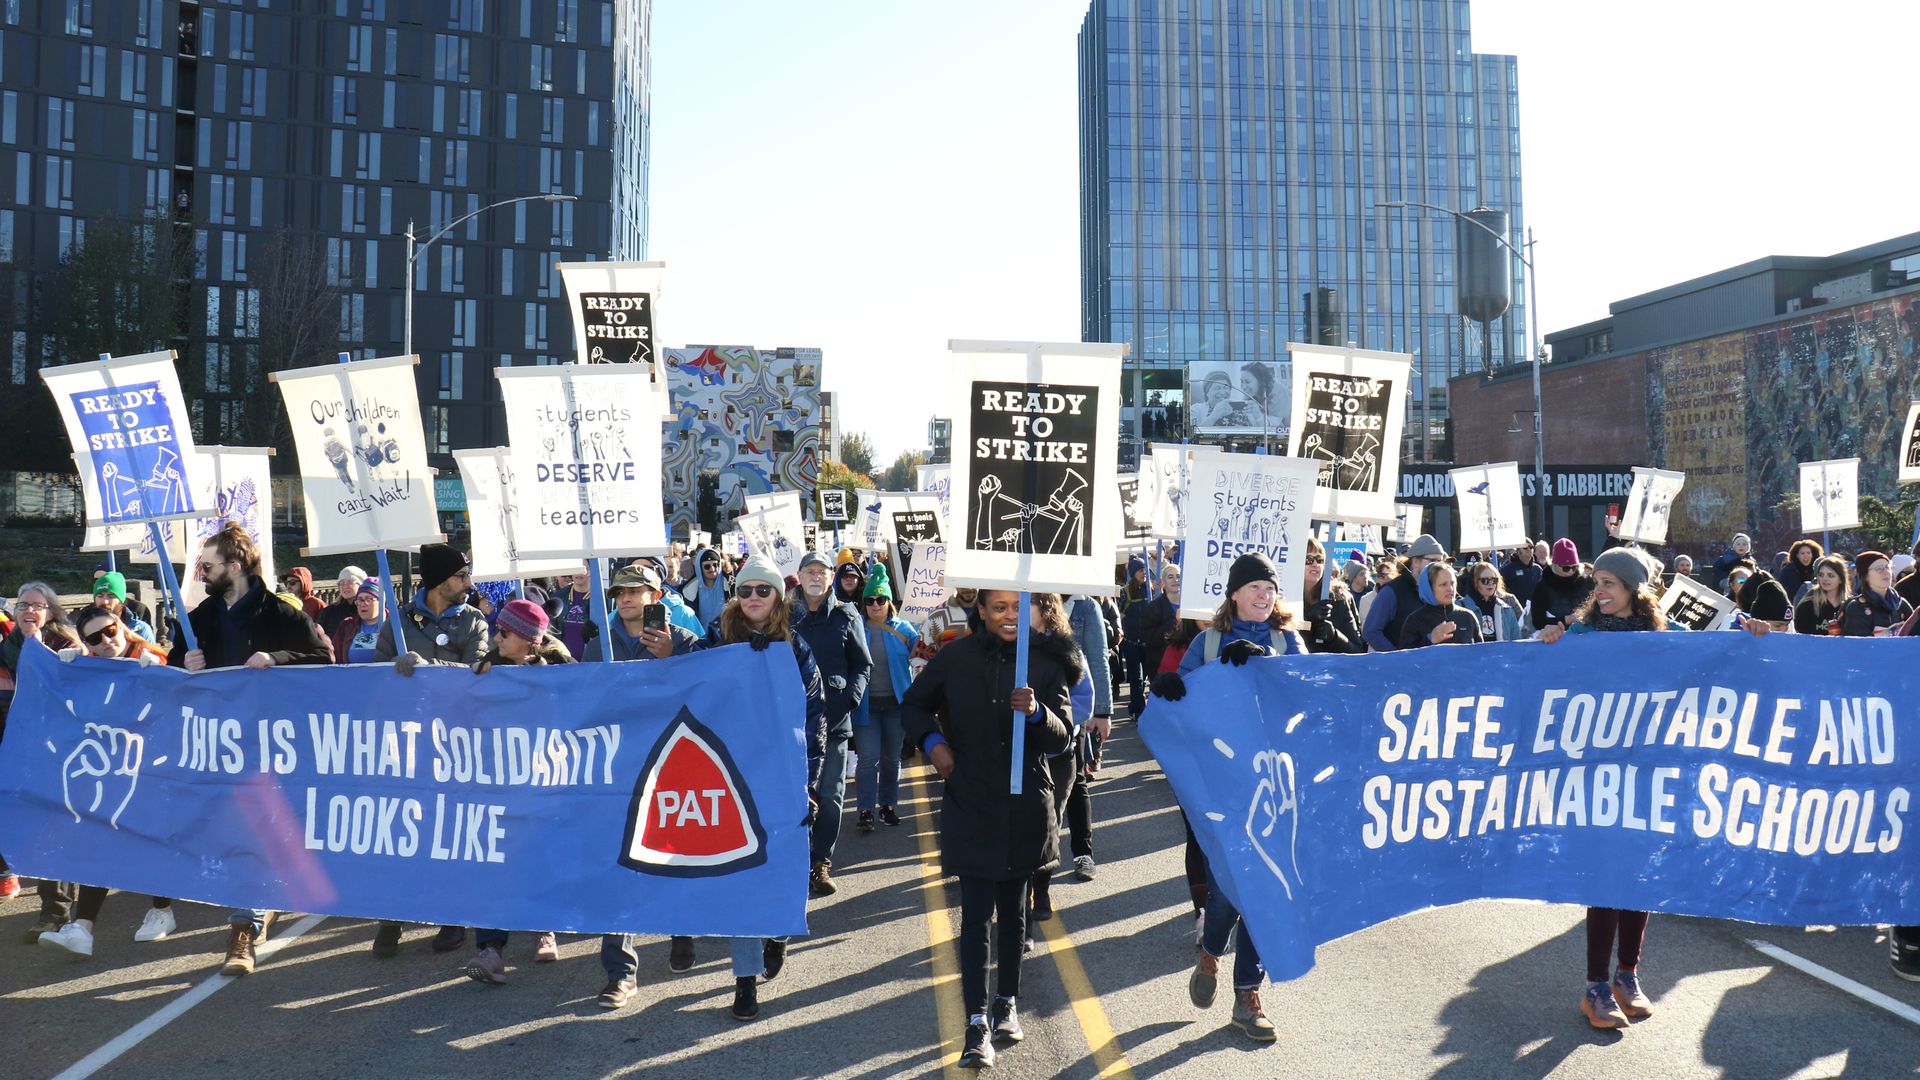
(539, 67)
(454, 163)
(442, 429)
(9, 116)
(353, 208)
(453, 269)
(239, 35)
(359, 48)
(60, 184)
(93, 70)
(346, 100)
(239, 145)
(253, 92)
(80, 18)
(466, 321)
(148, 30)
(59, 124)
(19, 356)
(6, 236)
(451, 57)
(146, 135)
(353, 316)
(553, 120)
(469, 121)
(536, 336)
(73, 234)
(453, 375)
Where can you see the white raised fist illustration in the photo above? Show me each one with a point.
(1273, 818)
(104, 765)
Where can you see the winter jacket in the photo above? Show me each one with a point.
(985, 831)
(457, 635)
(1814, 615)
(707, 600)
(1090, 634)
(810, 683)
(1502, 618)
(260, 622)
(303, 592)
(1208, 643)
(898, 642)
(680, 615)
(838, 637)
(628, 647)
(1764, 598)
(1521, 579)
(1133, 614)
(1333, 626)
(1723, 566)
(1794, 578)
(1870, 612)
(332, 616)
(1157, 622)
(1392, 603)
(1558, 597)
(342, 635)
(549, 650)
(1909, 588)
(1417, 631)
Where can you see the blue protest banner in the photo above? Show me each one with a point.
(1700, 774)
(663, 796)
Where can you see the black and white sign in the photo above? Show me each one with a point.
(1136, 513)
(585, 441)
(1910, 447)
(363, 455)
(1692, 605)
(836, 506)
(1491, 518)
(487, 477)
(1244, 503)
(1649, 510)
(1348, 409)
(616, 316)
(1035, 465)
(1829, 495)
(1244, 398)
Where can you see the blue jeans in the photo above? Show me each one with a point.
(832, 793)
(749, 958)
(257, 920)
(617, 958)
(877, 774)
(1222, 920)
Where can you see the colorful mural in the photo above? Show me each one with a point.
(745, 421)
(1740, 411)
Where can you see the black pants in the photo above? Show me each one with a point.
(1079, 803)
(56, 901)
(1196, 867)
(981, 900)
(92, 896)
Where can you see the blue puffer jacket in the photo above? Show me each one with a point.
(816, 696)
(1261, 634)
(899, 647)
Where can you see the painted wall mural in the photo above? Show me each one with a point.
(745, 421)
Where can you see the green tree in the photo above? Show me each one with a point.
(835, 475)
(856, 452)
(900, 475)
(1883, 526)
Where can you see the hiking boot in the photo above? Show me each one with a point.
(449, 938)
(386, 940)
(1249, 1017)
(866, 821)
(487, 967)
(43, 925)
(239, 951)
(680, 954)
(1628, 995)
(820, 883)
(977, 1052)
(158, 923)
(889, 817)
(615, 995)
(1204, 983)
(72, 938)
(1083, 867)
(1602, 1010)
(1905, 955)
(1006, 1021)
(773, 955)
(548, 950)
(746, 998)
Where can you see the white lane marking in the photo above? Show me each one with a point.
(1221, 746)
(1838, 981)
(176, 1008)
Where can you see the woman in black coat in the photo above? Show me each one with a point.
(991, 839)
(1333, 625)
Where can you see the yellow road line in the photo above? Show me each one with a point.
(946, 968)
(1105, 1045)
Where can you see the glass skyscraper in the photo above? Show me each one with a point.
(1232, 153)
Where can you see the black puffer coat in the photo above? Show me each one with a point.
(1557, 597)
(986, 832)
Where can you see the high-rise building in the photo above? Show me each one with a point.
(289, 146)
(1232, 156)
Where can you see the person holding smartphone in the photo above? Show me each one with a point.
(641, 628)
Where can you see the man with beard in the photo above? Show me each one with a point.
(242, 623)
(836, 633)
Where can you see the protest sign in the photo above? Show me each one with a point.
(239, 487)
(616, 317)
(1136, 508)
(836, 506)
(1649, 508)
(937, 480)
(585, 445)
(777, 532)
(1036, 457)
(132, 438)
(1910, 447)
(1409, 521)
(1348, 409)
(1829, 494)
(917, 546)
(1491, 515)
(1240, 503)
(1692, 606)
(1622, 770)
(662, 798)
(488, 479)
(363, 455)
(1163, 478)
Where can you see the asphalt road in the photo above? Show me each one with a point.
(1478, 990)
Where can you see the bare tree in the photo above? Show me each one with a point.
(299, 310)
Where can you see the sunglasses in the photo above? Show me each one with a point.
(111, 630)
(755, 590)
(1316, 560)
(1489, 581)
(872, 600)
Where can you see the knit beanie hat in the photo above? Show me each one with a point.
(522, 617)
(1425, 546)
(353, 574)
(1565, 553)
(760, 569)
(1251, 567)
(113, 581)
(438, 562)
(846, 556)
(878, 585)
(1861, 563)
(1623, 563)
(1136, 565)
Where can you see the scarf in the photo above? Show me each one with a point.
(1621, 622)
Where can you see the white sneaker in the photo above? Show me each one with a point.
(72, 938)
(157, 925)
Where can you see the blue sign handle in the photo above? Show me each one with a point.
(391, 601)
(173, 585)
(113, 562)
(599, 594)
(1017, 781)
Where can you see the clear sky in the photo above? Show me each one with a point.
(875, 177)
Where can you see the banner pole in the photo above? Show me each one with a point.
(598, 592)
(113, 563)
(1017, 781)
(1326, 563)
(173, 586)
(391, 601)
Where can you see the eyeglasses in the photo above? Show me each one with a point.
(111, 630)
(755, 590)
(203, 565)
(30, 606)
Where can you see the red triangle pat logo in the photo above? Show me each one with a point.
(691, 813)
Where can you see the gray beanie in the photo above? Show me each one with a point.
(1425, 546)
(1625, 564)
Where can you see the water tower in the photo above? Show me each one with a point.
(1482, 267)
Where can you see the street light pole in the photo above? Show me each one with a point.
(1533, 331)
(415, 250)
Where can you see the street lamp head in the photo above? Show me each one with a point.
(554, 196)
(1389, 206)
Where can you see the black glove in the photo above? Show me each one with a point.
(759, 642)
(1239, 650)
(1170, 686)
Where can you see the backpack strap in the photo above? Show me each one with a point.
(1210, 645)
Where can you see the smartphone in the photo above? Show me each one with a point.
(654, 617)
